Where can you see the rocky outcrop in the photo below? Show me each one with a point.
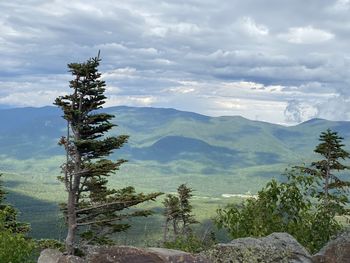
(123, 254)
(49, 256)
(176, 256)
(335, 251)
(54, 256)
(277, 247)
(127, 254)
(71, 259)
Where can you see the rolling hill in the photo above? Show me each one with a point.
(168, 137)
(167, 147)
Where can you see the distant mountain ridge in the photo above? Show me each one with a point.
(159, 131)
(218, 157)
(167, 142)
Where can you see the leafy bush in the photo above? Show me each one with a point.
(14, 247)
(282, 207)
(191, 243)
(42, 244)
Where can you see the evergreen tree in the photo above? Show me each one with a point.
(186, 216)
(171, 212)
(2, 192)
(178, 211)
(333, 192)
(91, 205)
(15, 246)
(9, 216)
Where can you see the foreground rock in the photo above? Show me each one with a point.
(335, 251)
(127, 254)
(123, 254)
(277, 247)
(71, 259)
(55, 256)
(49, 256)
(176, 256)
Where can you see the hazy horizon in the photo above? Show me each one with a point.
(9, 107)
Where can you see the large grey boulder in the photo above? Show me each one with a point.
(177, 256)
(54, 256)
(71, 259)
(121, 254)
(277, 247)
(127, 254)
(49, 256)
(335, 251)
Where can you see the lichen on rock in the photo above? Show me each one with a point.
(277, 247)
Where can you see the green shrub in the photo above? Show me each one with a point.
(282, 207)
(191, 244)
(15, 248)
(49, 243)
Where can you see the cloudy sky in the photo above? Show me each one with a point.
(274, 60)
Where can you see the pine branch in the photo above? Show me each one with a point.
(134, 202)
(102, 221)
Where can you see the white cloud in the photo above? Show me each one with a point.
(298, 111)
(162, 29)
(306, 35)
(227, 104)
(250, 27)
(334, 108)
(253, 109)
(119, 73)
(164, 61)
(341, 5)
(130, 101)
(32, 98)
(181, 90)
(218, 58)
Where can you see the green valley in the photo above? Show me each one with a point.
(217, 156)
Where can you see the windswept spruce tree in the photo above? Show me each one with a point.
(93, 210)
(333, 188)
(178, 213)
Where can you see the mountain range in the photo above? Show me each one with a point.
(167, 142)
(216, 156)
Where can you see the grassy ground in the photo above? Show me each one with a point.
(37, 200)
(35, 191)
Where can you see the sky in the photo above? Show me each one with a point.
(274, 60)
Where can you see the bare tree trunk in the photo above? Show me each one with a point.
(326, 187)
(73, 198)
(165, 234)
(72, 224)
(176, 231)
